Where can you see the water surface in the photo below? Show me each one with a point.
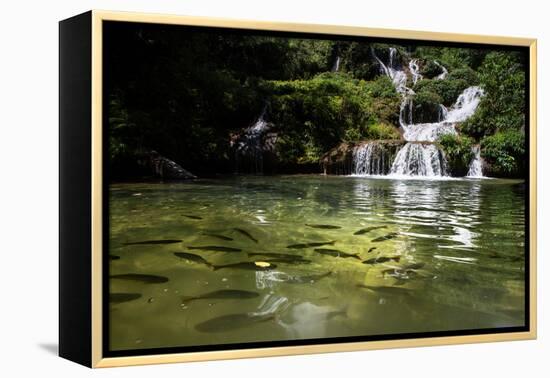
(464, 240)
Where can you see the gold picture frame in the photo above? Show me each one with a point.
(94, 262)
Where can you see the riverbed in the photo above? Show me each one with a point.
(358, 256)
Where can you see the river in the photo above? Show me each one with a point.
(456, 249)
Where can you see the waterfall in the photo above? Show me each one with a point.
(420, 156)
(475, 165)
(393, 71)
(465, 105)
(336, 65)
(419, 159)
(250, 144)
(369, 159)
(443, 113)
(415, 70)
(443, 73)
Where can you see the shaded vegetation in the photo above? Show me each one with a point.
(188, 93)
(458, 151)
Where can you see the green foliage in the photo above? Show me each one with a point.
(315, 115)
(465, 75)
(504, 152)
(448, 90)
(430, 69)
(382, 131)
(502, 77)
(119, 127)
(186, 94)
(451, 57)
(426, 106)
(458, 151)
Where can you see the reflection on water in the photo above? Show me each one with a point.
(450, 256)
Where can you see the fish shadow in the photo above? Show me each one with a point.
(52, 348)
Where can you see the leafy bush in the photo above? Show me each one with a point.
(458, 151)
(426, 107)
(430, 69)
(502, 76)
(504, 152)
(448, 89)
(466, 74)
(315, 115)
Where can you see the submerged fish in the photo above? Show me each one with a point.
(216, 248)
(324, 226)
(217, 236)
(371, 249)
(246, 265)
(336, 253)
(414, 266)
(222, 294)
(246, 233)
(145, 278)
(389, 236)
(114, 257)
(389, 290)
(123, 297)
(193, 258)
(287, 256)
(192, 216)
(381, 259)
(232, 321)
(368, 229)
(309, 245)
(164, 241)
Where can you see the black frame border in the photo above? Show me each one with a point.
(106, 352)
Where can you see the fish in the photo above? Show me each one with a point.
(222, 294)
(389, 236)
(414, 266)
(123, 297)
(287, 261)
(216, 248)
(309, 245)
(307, 279)
(196, 217)
(145, 278)
(193, 258)
(217, 236)
(371, 249)
(114, 257)
(247, 265)
(163, 241)
(230, 322)
(368, 229)
(336, 253)
(324, 226)
(275, 255)
(389, 290)
(381, 259)
(246, 233)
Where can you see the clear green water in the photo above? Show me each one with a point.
(468, 236)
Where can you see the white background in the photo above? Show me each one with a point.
(29, 158)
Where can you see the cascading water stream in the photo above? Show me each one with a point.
(369, 159)
(250, 143)
(419, 156)
(443, 73)
(415, 71)
(475, 169)
(336, 65)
